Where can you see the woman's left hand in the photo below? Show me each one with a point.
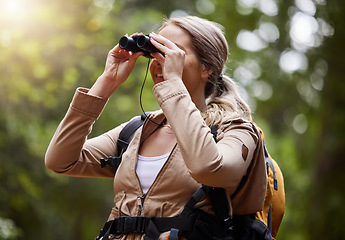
(173, 61)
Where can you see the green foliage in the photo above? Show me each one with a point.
(49, 48)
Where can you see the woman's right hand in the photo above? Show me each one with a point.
(119, 65)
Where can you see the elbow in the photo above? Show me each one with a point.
(217, 174)
(206, 173)
(51, 162)
(54, 159)
(49, 166)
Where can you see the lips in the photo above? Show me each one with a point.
(156, 71)
(159, 75)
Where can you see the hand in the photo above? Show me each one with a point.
(118, 67)
(173, 61)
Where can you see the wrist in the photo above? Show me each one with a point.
(104, 87)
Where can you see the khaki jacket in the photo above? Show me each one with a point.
(196, 158)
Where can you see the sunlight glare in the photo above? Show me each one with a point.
(307, 6)
(205, 7)
(250, 41)
(303, 29)
(300, 123)
(268, 31)
(11, 5)
(291, 61)
(268, 7)
(262, 90)
(13, 10)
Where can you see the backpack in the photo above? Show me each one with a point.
(274, 205)
(262, 225)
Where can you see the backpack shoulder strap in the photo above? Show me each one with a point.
(220, 205)
(125, 137)
(218, 196)
(127, 133)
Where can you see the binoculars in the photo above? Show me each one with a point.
(139, 43)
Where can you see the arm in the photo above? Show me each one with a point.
(69, 153)
(216, 164)
(119, 65)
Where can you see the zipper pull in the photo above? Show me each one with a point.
(139, 203)
(140, 200)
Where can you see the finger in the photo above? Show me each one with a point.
(164, 50)
(136, 34)
(159, 57)
(134, 57)
(163, 42)
(116, 48)
(117, 52)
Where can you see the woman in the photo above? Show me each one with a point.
(168, 161)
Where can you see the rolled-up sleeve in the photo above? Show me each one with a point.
(221, 164)
(69, 151)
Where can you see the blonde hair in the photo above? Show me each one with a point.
(223, 100)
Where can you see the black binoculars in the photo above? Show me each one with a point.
(139, 43)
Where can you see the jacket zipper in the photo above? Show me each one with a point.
(141, 198)
(140, 201)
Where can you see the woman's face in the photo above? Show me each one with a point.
(192, 70)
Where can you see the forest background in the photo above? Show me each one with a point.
(287, 56)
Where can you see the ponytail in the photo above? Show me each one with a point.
(221, 87)
(225, 103)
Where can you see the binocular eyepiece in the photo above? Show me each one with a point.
(139, 43)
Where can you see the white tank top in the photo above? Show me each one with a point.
(148, 169)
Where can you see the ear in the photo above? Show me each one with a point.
(205, 72)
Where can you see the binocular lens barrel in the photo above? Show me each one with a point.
(128, 44)
(140, 43)
(145, 43)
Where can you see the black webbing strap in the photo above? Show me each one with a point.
(125, 137)
(152, 232)
(269, 220)
(261, 228)
(196, 197)
(221, 207)
(128, 131)
(105, 231)
(218, 196)
(151, 226)
(159, 225)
